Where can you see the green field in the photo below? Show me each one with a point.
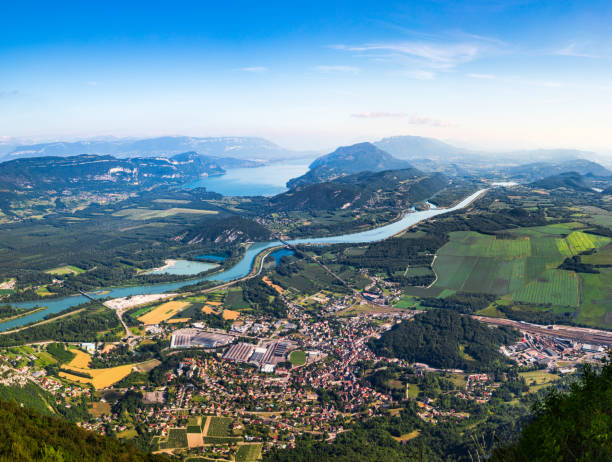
(596, 308)
(297, 358)
(66, 269)
(554, 287)
(522, 267)
(234, 300)
(220, 427)
(151, 214)
(177, 438)
(537, 380)
(248, 452)
(521, 264)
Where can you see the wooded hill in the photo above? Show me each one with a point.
(26, 435)
(444, 339)
(348, 160)
(103, 172)
(390, 188)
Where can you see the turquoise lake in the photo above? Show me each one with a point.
(261, 181)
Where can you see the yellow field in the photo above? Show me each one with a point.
(80, 361)
(230, 314)
(162, 313)
(206, 309)
(215, 303)
(100, 378)
(177, 320)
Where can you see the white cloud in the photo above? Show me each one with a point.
(432, 122)
(338, 69)
(435, 55)
(572, 50)
(254, 69)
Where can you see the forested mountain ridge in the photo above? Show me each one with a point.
(539, 170)
(568, 180)
(397, 188)
(231, 229)
(348, 160)
(83, 171)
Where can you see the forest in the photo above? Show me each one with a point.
(28, 436)
(447, 340)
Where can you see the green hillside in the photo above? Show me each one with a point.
(26, 435)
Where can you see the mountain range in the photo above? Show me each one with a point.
(250, 148)
(93, 171)
(389, 188)
(420, 148)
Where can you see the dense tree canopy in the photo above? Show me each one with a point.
(574, 426)
(444, 339)
(26, 435)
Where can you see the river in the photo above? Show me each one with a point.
(239, 270)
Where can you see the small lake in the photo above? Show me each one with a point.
(240, 269)
(280, 253)
(183, 267)
(260, 181)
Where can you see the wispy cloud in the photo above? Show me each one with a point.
(254, 69)
(338, 69)
(434, 55)
(413, 119)
(573, 50)
(432, 122)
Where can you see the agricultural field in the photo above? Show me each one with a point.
(151, 214)
(66, 269)
(522, 264)
(163, 312)
(43, 291)
(596, 307)
(248, 452)
(177, 438)
(78, 370)
(219, 427)
(554, 287)
(230, 314)
(538, 379)
(234, 299)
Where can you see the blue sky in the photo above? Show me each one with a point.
(491, 74)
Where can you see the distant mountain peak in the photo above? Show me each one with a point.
(348, 160)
